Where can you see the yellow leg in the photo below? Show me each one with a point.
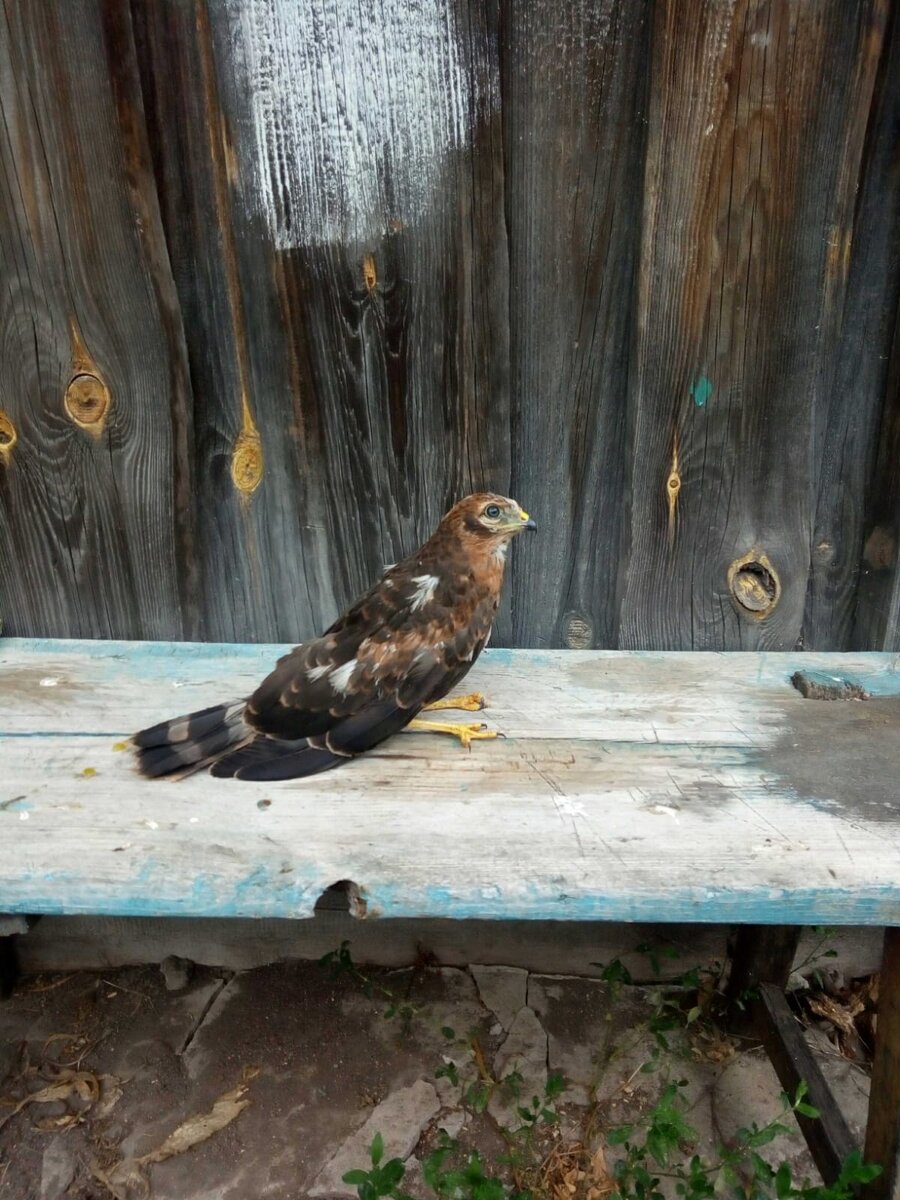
(476, 732)
(474, 702)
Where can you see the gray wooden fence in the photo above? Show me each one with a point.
(281, 279)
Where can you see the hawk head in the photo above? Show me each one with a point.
(487, 516)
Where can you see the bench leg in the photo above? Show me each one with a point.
(762, 954)
(883, 1129)
(9, 965)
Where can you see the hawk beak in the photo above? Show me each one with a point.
(527, 522)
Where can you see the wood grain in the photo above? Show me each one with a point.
(878, 610)
(279, 284)
(574, 85)
(758, 118)
(95, 537)
(857, 490)
(562, 819)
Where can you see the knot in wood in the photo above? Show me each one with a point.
(370, 275)
(880, 551)
(754, 584)
(578, 631)
(673, 484)
(8, 434)
(247, 462)
(87, 401)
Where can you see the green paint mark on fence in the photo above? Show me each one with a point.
(701, 391)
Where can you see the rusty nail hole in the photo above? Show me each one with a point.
(264, 804)
(754, 584)
(87, 399)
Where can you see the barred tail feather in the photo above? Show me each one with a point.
(191, 742)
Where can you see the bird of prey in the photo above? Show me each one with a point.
(398, 650)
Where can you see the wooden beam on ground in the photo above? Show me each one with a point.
(828, 1135)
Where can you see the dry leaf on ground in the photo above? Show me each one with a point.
(127, 1177)
(67, 1085)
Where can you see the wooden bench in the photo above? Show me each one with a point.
(629, 786)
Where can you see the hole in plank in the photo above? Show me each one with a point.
(754, 585)
(8, 435)
(815, 685)
(343, 896)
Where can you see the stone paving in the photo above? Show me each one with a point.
(289, 1073)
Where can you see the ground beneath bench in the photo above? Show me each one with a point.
(272, 1082)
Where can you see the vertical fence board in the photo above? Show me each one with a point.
(757, 121)
(95, 538)
(247, 485)
(877, 624)
(368, 330)
(574, 94)
(877, 616)
(858, 318)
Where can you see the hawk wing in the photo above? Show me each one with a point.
(402, 645)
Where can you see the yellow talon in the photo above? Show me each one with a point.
(473, 702)
(475, 732)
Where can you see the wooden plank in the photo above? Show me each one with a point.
(757, 124)
(718, 700)
(858, 500)
(828, 1135)
(574, 83)
(358, 260)
(95, 533)
(562, 819)
(883, 1129)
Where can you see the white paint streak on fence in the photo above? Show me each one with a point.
(356, 107)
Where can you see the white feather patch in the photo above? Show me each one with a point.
(425, 589)
(316, 673)
(500, 552)
(340, 676)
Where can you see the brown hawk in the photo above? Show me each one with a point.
(398, 650)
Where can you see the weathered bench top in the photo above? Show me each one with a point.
(661, 787)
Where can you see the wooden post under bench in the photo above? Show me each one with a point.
(883, 1131)
(762, 964)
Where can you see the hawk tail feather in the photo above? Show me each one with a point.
(221, 739)
(269, 759)
(190, 742)
(266, 760)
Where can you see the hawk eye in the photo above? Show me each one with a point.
(492, 511)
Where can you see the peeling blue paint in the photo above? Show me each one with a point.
(268, 892)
